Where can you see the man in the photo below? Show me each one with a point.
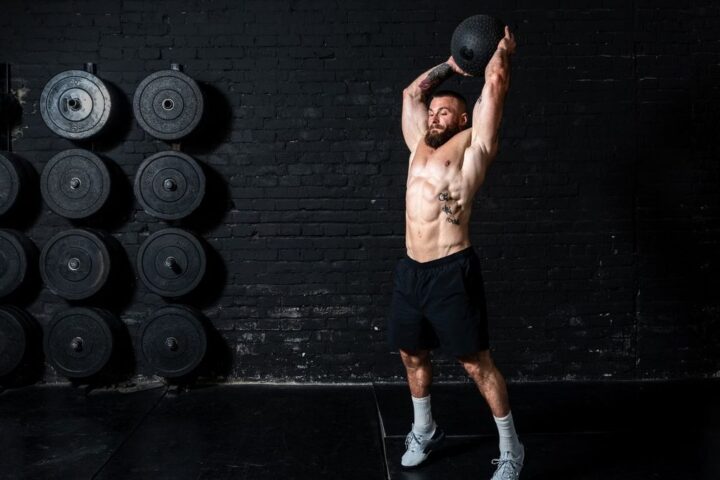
(438, 297)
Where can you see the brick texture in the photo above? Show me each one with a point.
(597, 226)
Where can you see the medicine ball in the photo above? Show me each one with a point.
(474, 42)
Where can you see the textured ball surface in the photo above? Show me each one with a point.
(474, 42)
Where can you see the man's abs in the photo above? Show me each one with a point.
(437, 207)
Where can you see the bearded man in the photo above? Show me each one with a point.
(438, 295)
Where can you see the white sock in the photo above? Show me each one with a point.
(509, 440)
(423, 423)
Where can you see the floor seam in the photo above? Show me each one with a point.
(525, 434)
(131, 433)
(479, 435)
(383, 435)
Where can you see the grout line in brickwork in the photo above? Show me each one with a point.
(636, 254)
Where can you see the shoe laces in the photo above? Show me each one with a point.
(507, 468)
(412, 441)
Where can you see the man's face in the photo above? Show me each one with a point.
(446, 117)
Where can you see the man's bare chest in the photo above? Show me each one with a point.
(438, 167)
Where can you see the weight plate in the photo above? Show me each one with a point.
(75, 264)
(33, 328)
(171, 262)
(75, 104)
(174, 341)
(79, 341)
(14, 339)
(75, 183)
(170, 185)
(168, 104)
(11, 182)
(15, 251)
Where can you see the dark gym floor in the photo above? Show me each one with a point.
(650, 430)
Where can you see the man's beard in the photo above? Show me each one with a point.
(434, 140)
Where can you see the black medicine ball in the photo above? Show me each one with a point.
(474, 42)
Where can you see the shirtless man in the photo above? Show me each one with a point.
(438, 296)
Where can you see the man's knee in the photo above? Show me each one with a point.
(415, 359)
(478, 365)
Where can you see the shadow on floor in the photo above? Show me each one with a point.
(583, 431)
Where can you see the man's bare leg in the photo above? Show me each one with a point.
(492, 386)
(489, 381)
(419, 375)
(419, 372)
(425, 436)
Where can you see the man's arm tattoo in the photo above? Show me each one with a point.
(435, 77)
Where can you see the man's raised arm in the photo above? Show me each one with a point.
(487, 113)
(414, 112)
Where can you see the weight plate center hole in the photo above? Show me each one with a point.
(169, 185)
(76, 344)
(172, 264)
(171, 343)
(74, 104)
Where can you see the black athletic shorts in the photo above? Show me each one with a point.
(440, 303)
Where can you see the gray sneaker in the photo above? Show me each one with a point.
(419, 446)
(509, 465)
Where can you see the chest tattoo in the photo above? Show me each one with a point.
(448, 208)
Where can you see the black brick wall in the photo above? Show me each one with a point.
(598, 224)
